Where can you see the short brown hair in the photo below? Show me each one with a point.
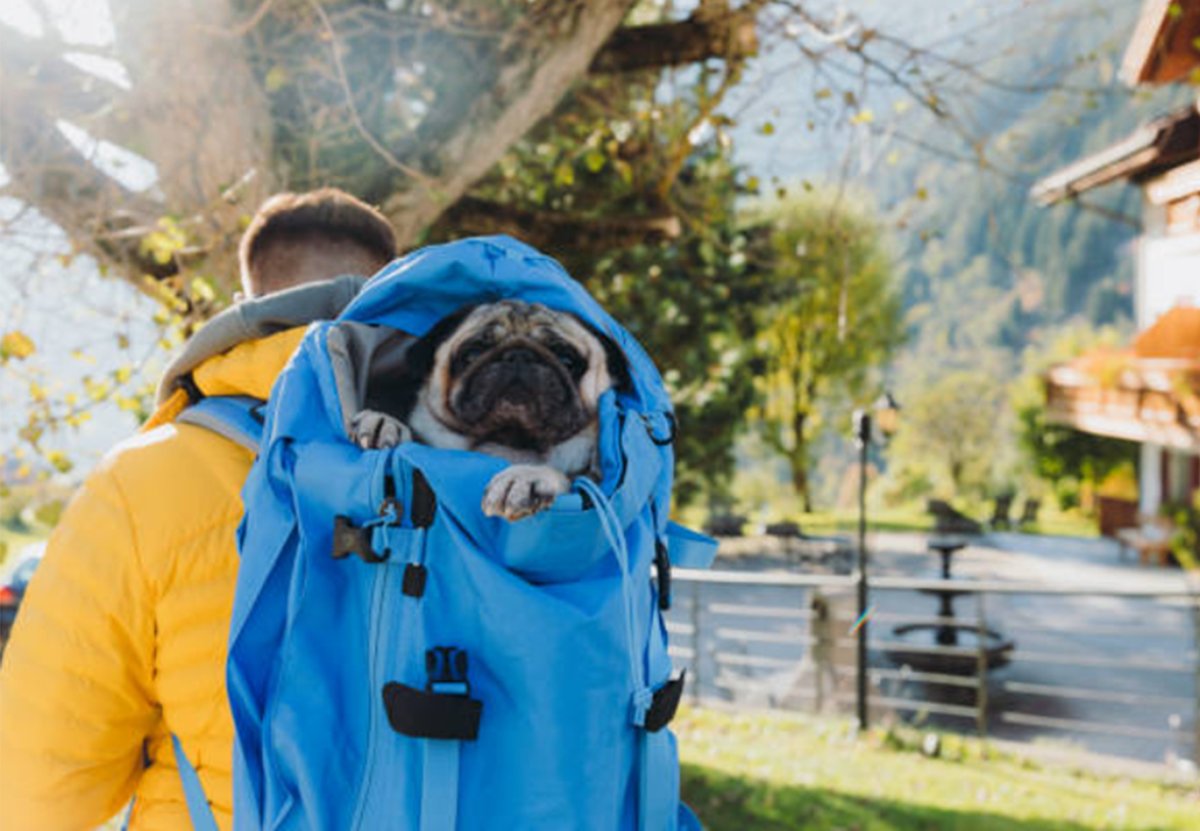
(301, 237)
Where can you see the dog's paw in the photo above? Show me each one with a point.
(523, 490)
(371, 429)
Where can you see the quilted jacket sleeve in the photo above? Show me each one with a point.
(75, 685)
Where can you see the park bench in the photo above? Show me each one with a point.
(1029, 513)
(1000, 511)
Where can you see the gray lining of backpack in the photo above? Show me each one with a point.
(359, 352)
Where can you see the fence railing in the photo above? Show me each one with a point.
(1114, 669)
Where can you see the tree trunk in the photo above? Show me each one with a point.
(545, 62)
(798, 461)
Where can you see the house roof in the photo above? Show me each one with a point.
(1175, 335)
(1164, 143)
(1162, 48)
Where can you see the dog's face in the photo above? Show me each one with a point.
(512, 375)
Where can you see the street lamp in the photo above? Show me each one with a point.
(884, 415)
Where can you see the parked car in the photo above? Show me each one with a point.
(11, 595)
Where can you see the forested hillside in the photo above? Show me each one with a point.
(988, 273)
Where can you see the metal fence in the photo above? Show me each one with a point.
(1110, 669)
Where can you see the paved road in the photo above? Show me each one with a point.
(1123, 670)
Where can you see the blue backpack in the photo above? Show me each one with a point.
(399, 660)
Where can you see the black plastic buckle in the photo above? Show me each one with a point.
(662, 565)
(665, 704)
(349, 539)
(444, 709)
(446, 667)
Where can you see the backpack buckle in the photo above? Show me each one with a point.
(350, 539)
(444, 709)
(446, 667)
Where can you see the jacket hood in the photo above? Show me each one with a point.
(253, 320)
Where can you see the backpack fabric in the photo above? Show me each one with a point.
(399, 660)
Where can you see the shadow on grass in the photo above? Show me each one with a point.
(731, 803)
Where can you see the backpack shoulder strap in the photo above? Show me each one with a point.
(197, 804)
(236, 417)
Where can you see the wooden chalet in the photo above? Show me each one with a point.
(1149, 393)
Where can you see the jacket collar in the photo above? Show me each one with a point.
(251, 320)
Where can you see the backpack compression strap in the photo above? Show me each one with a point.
(197, 804)
(236, 417)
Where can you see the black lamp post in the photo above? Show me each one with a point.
(884, 415)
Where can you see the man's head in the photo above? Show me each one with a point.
(300, 238)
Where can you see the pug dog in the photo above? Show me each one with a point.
(515, 380)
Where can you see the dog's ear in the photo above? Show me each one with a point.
(398, 395)
(618, 364)
(418, 362)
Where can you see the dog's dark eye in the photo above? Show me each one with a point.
(571, 360)
(469, 352)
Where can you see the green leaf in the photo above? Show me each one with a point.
(49, 513)
(60, 461)
(564, 175)
(276, 78)
(624, 170)
(202, 289)
(594, 161)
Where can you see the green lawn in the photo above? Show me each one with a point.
(780, 772)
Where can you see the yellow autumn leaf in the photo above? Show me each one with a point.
(59, 460)
(17, 345)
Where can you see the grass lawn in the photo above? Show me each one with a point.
(783, 772)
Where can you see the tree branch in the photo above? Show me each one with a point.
(731, 36)
(542, 61)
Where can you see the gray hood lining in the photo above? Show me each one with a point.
(260, 318)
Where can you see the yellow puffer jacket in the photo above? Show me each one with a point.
(121, 637)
